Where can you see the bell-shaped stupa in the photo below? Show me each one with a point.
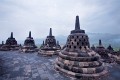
(50, 46)
(11, 44)
(77, 60)
(29, 44)
(100, 49)
(110, 49)
(93, 47)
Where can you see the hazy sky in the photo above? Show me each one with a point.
(22, 16)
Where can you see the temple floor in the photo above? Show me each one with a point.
(27, 66)
(31, 66)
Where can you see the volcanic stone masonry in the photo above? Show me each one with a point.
(77, 60)
(29, 44)
(11, 44)
(1, 44)
(50, 47)
(93, 47)
(100, 49)
(110, 49)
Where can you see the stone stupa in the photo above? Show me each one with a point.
(29, 44)
(93, 47)
(11, 44)
(50, 46)
(2, 44)
(110, 49)
(100, 49)
(77, 60)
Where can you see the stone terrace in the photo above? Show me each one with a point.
(27, 66)
(31, 66)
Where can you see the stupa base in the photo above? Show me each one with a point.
(3, 49)
(48, 52)
(28, 50)
(79, 76)
(9, 48)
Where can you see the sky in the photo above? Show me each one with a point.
(37, 16)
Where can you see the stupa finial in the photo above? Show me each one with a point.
(29, 34)
(57, 42)
(43, 42)
(77, 24)
(100, 43)
(2, 42)
(11, 35)
(50, 33)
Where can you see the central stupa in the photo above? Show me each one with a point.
(77, 60)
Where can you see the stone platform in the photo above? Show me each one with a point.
(20, 66)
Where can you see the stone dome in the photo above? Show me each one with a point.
(11, 44)
(29, 44)
(50, 42)
(29, 41)
(11, 40)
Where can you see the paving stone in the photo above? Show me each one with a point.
(22, 66)
(30, 66)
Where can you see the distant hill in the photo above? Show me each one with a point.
(113, 39)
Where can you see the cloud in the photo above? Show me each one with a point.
(22, 16)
